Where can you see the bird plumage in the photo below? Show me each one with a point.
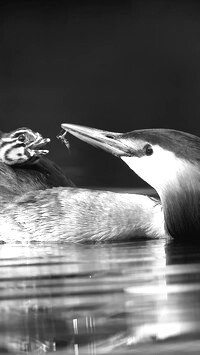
(168, 160)
(21, 145)
(31, 211)
(23, 166)
(79, 215)
(184, 145)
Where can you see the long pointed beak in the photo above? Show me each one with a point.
(111, 142)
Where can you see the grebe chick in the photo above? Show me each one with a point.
(23, 166)
(21, 145)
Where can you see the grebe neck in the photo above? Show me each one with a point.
(181, 207)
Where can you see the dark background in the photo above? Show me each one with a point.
(115, 65)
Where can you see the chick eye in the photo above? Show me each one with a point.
(148, 149)
(22, 138)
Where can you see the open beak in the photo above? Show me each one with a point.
(39, 142)
(35, 146)
(111, 142)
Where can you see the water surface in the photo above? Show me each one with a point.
(134, 298)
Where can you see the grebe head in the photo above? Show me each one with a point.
(21, 145)
(168, 160)
(158, 156)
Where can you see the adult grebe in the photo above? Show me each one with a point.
(168, 160)
(63, 213)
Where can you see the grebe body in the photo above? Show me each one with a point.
(32, 211)
(66, 214)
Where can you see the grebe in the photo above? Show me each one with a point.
(21, 145)
(166, 159)
(31, 211)
(23, 166)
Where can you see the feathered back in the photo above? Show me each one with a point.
(44, 174)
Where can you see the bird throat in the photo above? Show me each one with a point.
(181, 206)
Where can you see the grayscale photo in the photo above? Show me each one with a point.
(100, 177)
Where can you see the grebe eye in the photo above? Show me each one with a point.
(22, 138)
(148, 149)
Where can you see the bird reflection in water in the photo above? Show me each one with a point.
(99, 299)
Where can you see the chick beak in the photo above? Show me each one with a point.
(34, 147)
(111, 142)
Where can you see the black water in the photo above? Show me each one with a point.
(135, 298)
